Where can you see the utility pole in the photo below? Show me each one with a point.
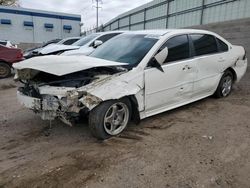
(97, 13)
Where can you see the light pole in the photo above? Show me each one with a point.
(97, 13)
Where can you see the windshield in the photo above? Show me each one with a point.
(126, 48)
(85, 40)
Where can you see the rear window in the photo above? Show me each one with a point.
(204, 44)
(3, 43)
(223, 47)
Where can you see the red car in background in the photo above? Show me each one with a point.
(8, 56)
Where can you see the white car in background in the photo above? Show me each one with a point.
(91, 42)
(7, 43)
(87, 44)
(33, 52)
(132, 76)
(66, 44)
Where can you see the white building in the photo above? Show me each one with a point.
(30, 26)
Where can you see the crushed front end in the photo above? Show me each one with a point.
(63, 97)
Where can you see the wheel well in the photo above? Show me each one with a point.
(233, 72)
(1, 61)
(135, 112)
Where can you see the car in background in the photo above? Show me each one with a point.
(135, 75)
(35, 51)
(88, 44)
(7, 43)
(69, 41)
(28, 53)
(8, 56)
(97, 40)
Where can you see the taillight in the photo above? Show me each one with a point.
(245, 55)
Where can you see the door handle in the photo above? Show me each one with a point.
(221, 59)
(186, 67)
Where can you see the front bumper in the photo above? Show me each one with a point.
(47, 109)
(29, 102)
(66, 107)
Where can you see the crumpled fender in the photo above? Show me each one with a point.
(114, 87)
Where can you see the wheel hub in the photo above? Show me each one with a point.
(227, 86)
(3, 70)
(116, 118)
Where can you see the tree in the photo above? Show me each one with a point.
(9, 2)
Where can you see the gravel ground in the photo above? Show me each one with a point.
(201, 145)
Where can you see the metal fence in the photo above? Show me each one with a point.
(161, 14)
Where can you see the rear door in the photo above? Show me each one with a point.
(210, 63)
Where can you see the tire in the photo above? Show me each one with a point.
(110, 118)
(5, 70)
(225, 86)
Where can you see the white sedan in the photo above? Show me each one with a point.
(132, 76)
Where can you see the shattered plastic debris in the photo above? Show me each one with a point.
(207, 137)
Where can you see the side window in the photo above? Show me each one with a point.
(3, 43)
(70, 41)
(223, 47)
(105, 38)
(178, 48)
(204, 44)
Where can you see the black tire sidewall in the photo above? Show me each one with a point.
(96, 118)
(8, 68)
(218, 92)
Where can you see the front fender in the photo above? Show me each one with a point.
(115, 87)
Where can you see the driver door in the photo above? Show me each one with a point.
(174, 86)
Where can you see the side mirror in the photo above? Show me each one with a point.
(162, 56)
(97, 43)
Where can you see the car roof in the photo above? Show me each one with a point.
(162, 32)
(110, 32)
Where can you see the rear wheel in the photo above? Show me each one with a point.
(5, 70)
(110, 118)
(225, 85)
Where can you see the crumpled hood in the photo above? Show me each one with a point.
(62, 65)
(56, 48)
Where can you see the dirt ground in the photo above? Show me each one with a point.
(201, 145)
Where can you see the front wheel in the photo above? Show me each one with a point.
(110, 118)
(225, 85)
(5, 70)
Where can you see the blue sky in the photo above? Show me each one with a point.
(110, 8)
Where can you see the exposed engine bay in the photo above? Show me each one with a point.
(76, 80)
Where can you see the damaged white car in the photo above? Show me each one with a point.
(132, 76)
